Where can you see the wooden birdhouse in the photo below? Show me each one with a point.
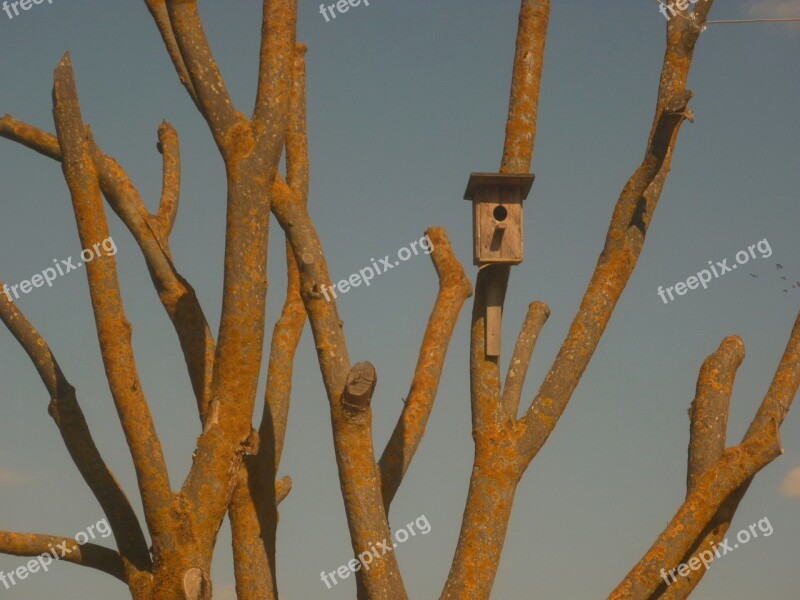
(497, 233)
(497, 216)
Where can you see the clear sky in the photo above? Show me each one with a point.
(405, 99)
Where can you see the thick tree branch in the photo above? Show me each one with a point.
(289, 327)
(237, 360)
(350, 443)
(537, 316)
(358, 475)
(495, 470)
(86, 555)
(113, 329)
(297, 167)
(68, 416)
(623, 247)
(783, 388)
(240, 340)
(254, 505)
(505, 445)
(34, 138)
(213, 100)
(285, 338)
(275, 70)
(323, 316)
(251, 152)
(158, 9)
(253, 565)
(708, 415)
(624, 241)
(454, 289)
(523, 105)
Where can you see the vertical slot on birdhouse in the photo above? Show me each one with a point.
(499, 214)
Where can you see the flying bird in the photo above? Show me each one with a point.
(784, 278)
(779, 266)
(753, 275)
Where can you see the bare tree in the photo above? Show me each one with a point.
(235, 466)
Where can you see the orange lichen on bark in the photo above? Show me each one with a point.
(67, 549)
(454, 289)
(736, 466)
(151, 233)
(352, 432)
(113, 329)
(71, 423)
(716, 485)
(234, 467)
(170, 149)
(254, 503)
(708, 414)
(538, 313)
(523, 103)
(499, 436)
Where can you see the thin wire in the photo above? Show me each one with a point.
(677, 12)
(751, 21)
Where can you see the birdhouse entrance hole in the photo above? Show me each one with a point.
(500, 213)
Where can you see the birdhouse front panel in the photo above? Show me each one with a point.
(497, 224)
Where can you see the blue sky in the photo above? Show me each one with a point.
(405, 100)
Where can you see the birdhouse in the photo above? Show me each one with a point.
(497, 216)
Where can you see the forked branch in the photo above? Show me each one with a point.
(725, 479)
(708, 422)
(113, 329)
(496, 467)
(151, 233)
(176, 294)
(504, 445)
(358, 473)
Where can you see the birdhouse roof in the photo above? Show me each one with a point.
(522, 180)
